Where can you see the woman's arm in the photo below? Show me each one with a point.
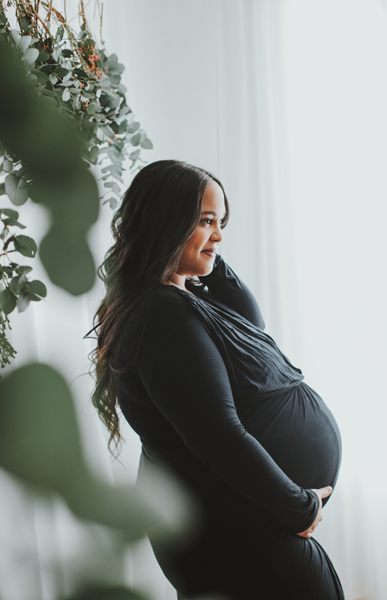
(187, 381)
(226, 287)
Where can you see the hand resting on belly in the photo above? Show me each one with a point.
(321, 493)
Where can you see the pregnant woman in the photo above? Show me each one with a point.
(182, 351)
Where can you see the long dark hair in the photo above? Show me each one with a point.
(158, 214)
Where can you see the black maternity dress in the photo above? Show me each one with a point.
(211, 396)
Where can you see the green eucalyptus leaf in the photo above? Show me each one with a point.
(2, 189)
(49, 93)
(133, 127)
(114, 78)
(13, 223)
(24, 43)
(67, 53)
(37, 287)
(25, 245)
(80, 74)
(136, 139)
(23, 270)
(93, 155)
(121, 89)
(31, 55)
(16, 189)
(9, 212)
(122, 126)
(91, 108)
(33, 297)
(22, 302)
(112, 61)
(59, 34)
(15, 35)
(7, 165)
(7, 301)
(61, 72)
(42, 56)
(16, 284)
(115, 188)
(31, 78)
(66, 95)
(40, 74)
(146, 144)
(106, 130)
(135, 154)
(113, 203)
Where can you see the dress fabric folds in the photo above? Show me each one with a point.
(214, 399)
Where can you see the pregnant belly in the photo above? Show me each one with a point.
(300, 433)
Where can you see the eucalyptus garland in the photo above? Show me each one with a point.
(68, 72)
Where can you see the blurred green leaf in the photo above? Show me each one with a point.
(23, 43)
(22, 302)
(7, 165)
(31, 55)
(113, 203)
(9, 212)
(91, 108)
(66, 95)
(115, 188)
(93, 155)
(74, 201)
(16, 189)
(23, 270)
(37, 287)
(146, 143)
(133, 127)
(36, 407)
(2, 189)
(68, 260)
(25, 245)
(7, 301)
(13, 223)
(134, 155)
(136, 139)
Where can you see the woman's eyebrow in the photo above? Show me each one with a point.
(211, 212)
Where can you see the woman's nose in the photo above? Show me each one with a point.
(216, 235)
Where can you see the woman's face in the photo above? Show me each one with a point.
(199, 251)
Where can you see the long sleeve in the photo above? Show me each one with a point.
(226, 287)
(187, 381)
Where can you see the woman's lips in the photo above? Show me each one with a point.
(209, 252)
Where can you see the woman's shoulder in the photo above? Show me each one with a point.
(161, 310)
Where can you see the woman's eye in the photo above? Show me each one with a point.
(206, 221)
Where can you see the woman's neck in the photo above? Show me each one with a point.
(178, 281)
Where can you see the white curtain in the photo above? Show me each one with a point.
(286, 103)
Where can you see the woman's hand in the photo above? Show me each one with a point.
(321, 493)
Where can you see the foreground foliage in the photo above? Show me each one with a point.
(68, 83)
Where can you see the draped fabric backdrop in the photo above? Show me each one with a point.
(286, 103)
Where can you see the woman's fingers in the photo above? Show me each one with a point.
(321, 493)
